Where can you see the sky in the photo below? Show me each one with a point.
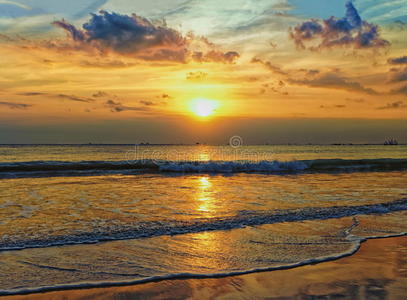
(186, 71)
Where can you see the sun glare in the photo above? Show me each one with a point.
(203, 107)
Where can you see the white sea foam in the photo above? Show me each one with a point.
(88, 168)
(356, 244)
(175, 227)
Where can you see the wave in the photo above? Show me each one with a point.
(69, 168)
(174, 227)
(356, 241)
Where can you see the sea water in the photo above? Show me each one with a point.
(90, 215)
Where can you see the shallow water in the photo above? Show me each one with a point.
(77, 228)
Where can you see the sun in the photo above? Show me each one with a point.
(203, 107)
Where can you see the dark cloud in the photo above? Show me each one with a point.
(273, 45)
(74, 98)
(398, 75)
(32, 94)
(100, 94)
(61, 96)
(277, 87)
(116, 106)
(398, 60)
(104, 95)
(310, 72)
(402, 90)
(138, 37)
(349, 31)
(128, 35)
(268, 65)
(215, 56)
(13, 105)
(334, 81)
(147, 103)
(198, 75)
(105, 63)
(312, 78)
(393, 105)
(398, 25)
(334, 106)
(161, 100)
(73, 32)
(6, 38)
(356, 100)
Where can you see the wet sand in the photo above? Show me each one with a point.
(377, 271)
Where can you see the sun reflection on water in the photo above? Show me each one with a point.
(205, 197)
(203, 156)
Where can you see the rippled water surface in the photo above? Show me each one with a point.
(71, 228)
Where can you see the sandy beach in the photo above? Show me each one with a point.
(377, 271)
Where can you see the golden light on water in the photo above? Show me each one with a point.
(203, 107)
(204, 194)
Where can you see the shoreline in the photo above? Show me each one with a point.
(66, 291)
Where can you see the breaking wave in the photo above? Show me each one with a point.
(174, 227)
(68, 168)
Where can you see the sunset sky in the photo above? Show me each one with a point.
(172, 71)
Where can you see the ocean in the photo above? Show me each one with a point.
(100, 215)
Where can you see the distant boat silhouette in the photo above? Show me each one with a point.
(391, 142)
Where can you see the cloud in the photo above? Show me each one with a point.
(198, 75)
(398, 60)
(311, 78)
(105, 63)
(138, 37)
(215, 56)
(162, 100)
(74, 98)
(273, 68)
(166, 96)
(334, 81)
(333, 106)
(393, 105)
(32, 94)
(398, 25)
(349, 31)
(75, 34)
(125, 34)
(92, 7)
(356, 100)
(13, 105)
(147, 103)
(310, 72)
(14, 9)
(21, 5)
(100, 94)
(398, 75)
(282, 6)
(277, 87)
(402, 90)
(27, 8)
(116, 106)
(61, 96)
